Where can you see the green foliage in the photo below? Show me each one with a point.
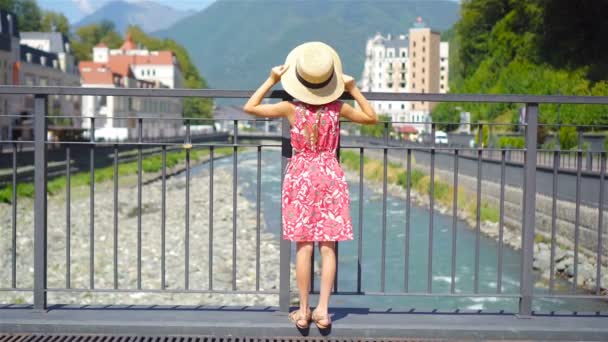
(377, 130)
(150, 164)
(525, 47)
(568, 137)
(29, 15)
(54, 21)
(486, 135)
(511, 142)
(416, 176)
(86, 37)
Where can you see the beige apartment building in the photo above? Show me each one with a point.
(412, 63)
(424, 64)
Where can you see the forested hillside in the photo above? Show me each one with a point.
(530, 47)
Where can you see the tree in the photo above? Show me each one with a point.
(54, 22)
(87, 37)
(28, 13)
(193, 107)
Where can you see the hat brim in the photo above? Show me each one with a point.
(295, 88)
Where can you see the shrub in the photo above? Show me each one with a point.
(511, 142)
(568, 137)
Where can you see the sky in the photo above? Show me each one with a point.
(75, 10)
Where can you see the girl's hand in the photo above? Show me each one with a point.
(277, 72)
(349, 82)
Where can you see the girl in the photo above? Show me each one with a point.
(315, 200)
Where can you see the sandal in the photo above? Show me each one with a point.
(296, 316)
(316, 318)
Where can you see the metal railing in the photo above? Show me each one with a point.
(525, 294)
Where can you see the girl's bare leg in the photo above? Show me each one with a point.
(328, 273)
(303, 269)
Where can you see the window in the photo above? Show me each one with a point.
(413, 85)
(442, 68)
(153, 72)
(402, 106)
(423, 49)
(423, 60)
(390, 54)
(424, 39)
(403, 76)
(42, 60)
(142, 72)
(413, 75)
(442, 77)
(390, 106)
(390, 85)
(402, 65)
(390, 65)
(414, 54)
(414, 43)
(414, 64)
(442, 86)
(413, 107)
(402, 84)
(423, 70)
(379, 74)
(443, 59)
(402, 53)
(423, 80)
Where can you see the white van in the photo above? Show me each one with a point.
(441, 138)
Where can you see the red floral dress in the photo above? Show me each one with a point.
(315, 199)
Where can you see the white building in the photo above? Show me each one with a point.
(416, 63)
(131, 67)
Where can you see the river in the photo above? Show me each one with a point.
(395, 251)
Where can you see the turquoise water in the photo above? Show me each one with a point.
(395, 251)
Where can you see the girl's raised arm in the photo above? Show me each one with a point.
(367, 115)
(283, 108)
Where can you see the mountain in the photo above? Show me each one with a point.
(148, 15)
(234, 44)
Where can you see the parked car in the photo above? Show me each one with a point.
(441, 138)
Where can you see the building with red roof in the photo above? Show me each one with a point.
(131, 66)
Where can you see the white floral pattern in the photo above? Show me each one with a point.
(315, 199)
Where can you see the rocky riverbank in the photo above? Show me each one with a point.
(564, 258)
(151, 250)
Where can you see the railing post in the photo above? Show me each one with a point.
(285, 246)
(40, 131)
(529, 211)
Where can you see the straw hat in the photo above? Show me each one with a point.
(314, 73)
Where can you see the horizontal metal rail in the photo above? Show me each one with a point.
(280, 94)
